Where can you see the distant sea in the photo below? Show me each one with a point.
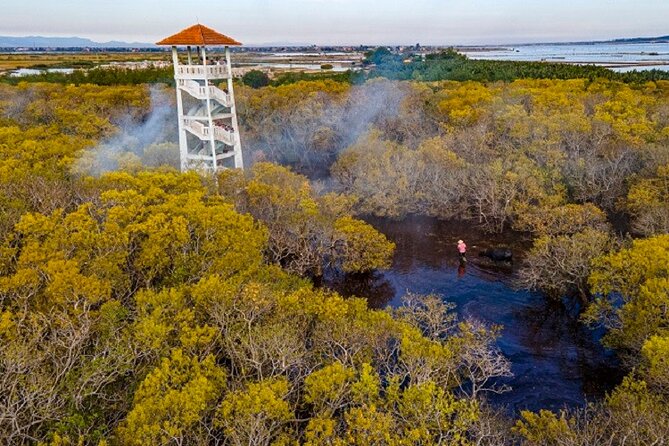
(616, 56)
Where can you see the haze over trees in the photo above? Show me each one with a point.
(559, 160)
(146, 306)
(140, 307)
(496, 153)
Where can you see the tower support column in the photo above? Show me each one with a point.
(183, 142)
(239, 160)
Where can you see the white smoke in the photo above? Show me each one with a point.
(310, 136)
(149, 143)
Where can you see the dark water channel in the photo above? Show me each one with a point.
(556, 361)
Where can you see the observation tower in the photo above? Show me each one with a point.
(208, 128)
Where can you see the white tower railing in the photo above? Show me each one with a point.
(221, 132)
(201, 71)
(198, 91)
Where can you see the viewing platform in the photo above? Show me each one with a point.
(201, 72)
(198, 91)
(203, 156)
(221, 133)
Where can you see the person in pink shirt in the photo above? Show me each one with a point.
(462, 249)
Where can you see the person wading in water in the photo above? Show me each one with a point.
(462, 249)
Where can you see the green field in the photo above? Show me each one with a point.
(13, 61)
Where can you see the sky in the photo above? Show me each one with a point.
(342, 22)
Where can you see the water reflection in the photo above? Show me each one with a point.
(556, 360)
(378, 291)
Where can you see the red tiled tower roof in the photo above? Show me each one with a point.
(198, 35)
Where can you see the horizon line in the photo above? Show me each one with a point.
(130, 44)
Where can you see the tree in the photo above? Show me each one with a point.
(378, 55)
(299, 124)
(566, 219)
(156, 307)
(648, 202)
(545, 428)
(561, 265)
(655, 352)
(256, 79)
(629, 415)
(68, 295)
(257, 415)
(172, 401)
(639, 276)
(309, 234)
